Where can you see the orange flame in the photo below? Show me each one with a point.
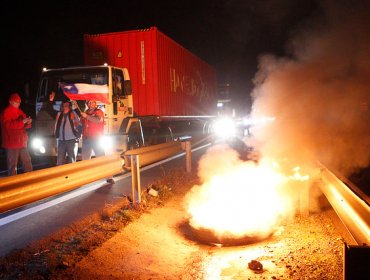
(238, 198)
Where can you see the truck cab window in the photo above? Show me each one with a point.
(118, 82)
(52, 80)
(42, 94)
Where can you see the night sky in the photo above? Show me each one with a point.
(229, 35)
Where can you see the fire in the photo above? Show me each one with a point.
(239, 199)
(298, 176)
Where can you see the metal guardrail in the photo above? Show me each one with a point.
(352, 209)
(153, 153)
(134, 159)
(22, 189)
(19, 190)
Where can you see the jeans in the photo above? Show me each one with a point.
(12, 156)
(66, 147)
(89, 145)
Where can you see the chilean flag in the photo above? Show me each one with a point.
(86, 92)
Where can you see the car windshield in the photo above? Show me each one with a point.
(51, 80)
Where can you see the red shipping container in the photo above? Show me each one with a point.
(167, 79)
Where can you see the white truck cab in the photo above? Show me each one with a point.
(117, 112)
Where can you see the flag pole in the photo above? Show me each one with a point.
(76, 104)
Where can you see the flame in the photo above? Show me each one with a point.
(298, 176)
(239, 199)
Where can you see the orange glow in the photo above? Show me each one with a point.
(239, 199)
(298, 176)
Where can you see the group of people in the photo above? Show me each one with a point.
(70, 125)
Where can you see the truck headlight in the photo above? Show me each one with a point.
(106, 142)
(38, 145)
(224, 128)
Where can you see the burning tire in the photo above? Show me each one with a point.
(209, 237)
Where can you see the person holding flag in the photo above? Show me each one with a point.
(92, 119)
(67, 132)
(93, 130)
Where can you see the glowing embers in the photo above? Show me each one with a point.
(238, 202)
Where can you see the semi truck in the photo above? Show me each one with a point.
(157, 90)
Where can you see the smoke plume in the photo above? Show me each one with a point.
(319, 95)
(310, 105)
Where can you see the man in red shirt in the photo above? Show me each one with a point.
(14, 136)
(93, 130)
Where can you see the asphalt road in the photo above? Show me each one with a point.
(20, 227)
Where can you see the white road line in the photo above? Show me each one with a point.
(24, 213)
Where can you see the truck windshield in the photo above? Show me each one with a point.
(51, 80)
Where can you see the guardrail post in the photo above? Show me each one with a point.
(188, 156)
(138, 179)
(135, 178)
(355, 261)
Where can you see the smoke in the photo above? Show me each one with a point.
(319, 95)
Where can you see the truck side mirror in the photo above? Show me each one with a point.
(127, 87)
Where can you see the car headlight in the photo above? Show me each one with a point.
(224, 128)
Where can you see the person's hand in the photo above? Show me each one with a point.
(74, 103)
(84, 115)
(27, 120)
(52, 96)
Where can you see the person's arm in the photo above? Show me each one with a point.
(98, 117)
(76, 108)
(56, 122)
(77, 118)
(11, 123)
(78, 112)
(52, 111)
(28, 125)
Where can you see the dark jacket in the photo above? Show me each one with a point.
(74, 122)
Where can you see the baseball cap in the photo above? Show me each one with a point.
(14, 97)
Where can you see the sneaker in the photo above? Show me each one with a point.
(111, 181)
